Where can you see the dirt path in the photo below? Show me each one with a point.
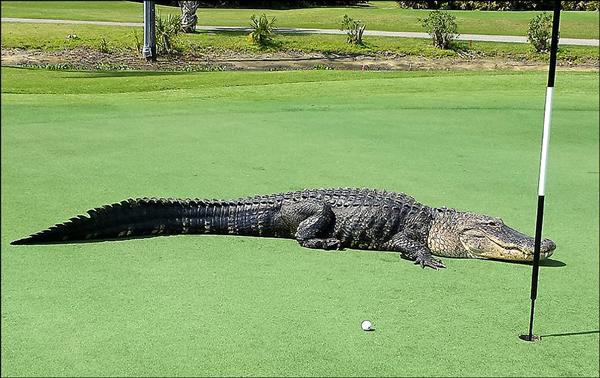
(219, 61)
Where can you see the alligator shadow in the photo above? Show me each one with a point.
(550, 263)
(543, 263)
(90, 241)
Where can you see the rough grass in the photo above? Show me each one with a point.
(380, 15)
(54, 37)
(218, 305)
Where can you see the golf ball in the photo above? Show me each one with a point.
(366, 325)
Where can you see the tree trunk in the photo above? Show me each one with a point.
(188, 15)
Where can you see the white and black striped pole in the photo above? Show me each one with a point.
(542, 175)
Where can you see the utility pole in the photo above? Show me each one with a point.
(149, 50)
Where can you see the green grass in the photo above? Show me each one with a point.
(219, 305)
(54, 37)
(380, 16)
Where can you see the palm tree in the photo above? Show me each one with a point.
(188, 15)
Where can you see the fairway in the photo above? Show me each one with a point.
(236, 306)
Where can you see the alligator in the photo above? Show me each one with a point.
(330, 219)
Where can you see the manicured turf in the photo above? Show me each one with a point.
(381, 15)
(218, 305)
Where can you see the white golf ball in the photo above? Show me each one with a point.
(366, 325)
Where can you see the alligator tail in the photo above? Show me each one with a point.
(147, 217)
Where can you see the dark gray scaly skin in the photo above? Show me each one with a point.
(320, 218)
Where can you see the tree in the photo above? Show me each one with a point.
(540, 31)
(442, 27)
(188, 15)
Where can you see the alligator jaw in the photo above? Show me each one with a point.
(515, 253)
(504, 243)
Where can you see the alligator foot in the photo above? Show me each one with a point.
(326, 244)
(425, 259)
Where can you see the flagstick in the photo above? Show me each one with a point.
(542, 176)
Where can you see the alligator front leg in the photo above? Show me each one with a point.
(314, 220)
(413, 250)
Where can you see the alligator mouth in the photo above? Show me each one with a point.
(517, 253)
(521, 248)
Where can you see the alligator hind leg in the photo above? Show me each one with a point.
(314, 220)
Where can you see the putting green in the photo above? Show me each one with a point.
(219, 305)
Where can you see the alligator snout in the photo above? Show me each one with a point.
(547, 247)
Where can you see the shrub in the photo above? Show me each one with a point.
(167, 30)
(354, 30)
(103, 46)
(540, 32)
(500, 5)
(266, 4)
(138, 42)
(262, 30)
(442, 28)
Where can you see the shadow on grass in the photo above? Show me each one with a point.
(550, 263)
(571, 334)
(110, 74)
(457, 46)
(268, 45)
(90, 74)
(24, 240)
(235, 32)
(544, 263)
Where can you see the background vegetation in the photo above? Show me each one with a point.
(54, 38)
(268, 4)
(381, 15)
(501, 5)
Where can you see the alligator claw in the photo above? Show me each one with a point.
(429, 261)
(332, 244)
(327, 244)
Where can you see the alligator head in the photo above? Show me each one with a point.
(464, 234)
